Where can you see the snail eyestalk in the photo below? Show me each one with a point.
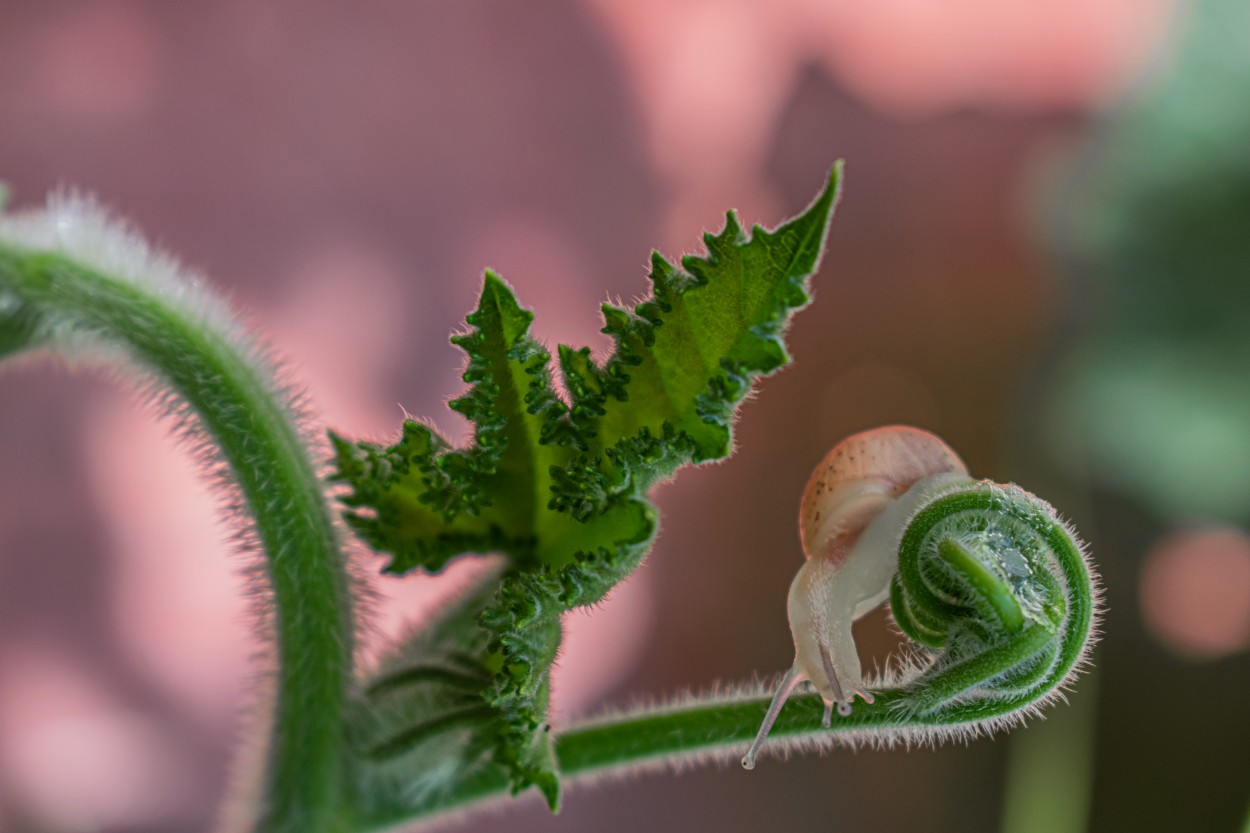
(787, 685)
(984, 577)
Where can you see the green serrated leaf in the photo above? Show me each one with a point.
(561, 487)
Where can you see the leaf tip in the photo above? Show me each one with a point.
(550, 788)
(493, 284)
(822, 207)
(813, 224)
(498, 295)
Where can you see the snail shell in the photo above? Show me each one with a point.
(851, 520)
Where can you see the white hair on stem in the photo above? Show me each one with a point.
(75, 227)
(74, 224)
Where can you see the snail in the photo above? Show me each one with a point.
(851, 521)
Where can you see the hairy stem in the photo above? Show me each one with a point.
(713, 729)
(54, 301)
(1016, 668)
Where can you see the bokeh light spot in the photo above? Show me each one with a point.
(1195, 592)
(81, 761)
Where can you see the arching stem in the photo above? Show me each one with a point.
(245, 415)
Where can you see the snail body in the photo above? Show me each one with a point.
(995, 589)
(851, 520)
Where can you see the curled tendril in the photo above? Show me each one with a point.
(999, 591)
(999, 597)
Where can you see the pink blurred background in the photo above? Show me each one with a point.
(344, 171)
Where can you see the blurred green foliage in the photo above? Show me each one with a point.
(1155, 399)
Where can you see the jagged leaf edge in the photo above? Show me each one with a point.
(524, 624)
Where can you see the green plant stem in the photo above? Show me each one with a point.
(47, 299)
(245, 415)
(715, 729)
(928, 709)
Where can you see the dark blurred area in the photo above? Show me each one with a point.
(1041, 254)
